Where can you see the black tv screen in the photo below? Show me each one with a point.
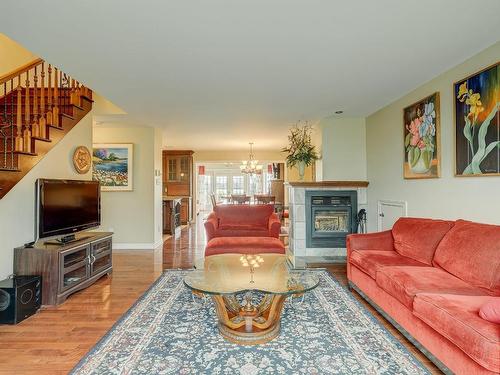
(67, 206)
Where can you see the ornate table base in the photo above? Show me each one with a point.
(249, 324)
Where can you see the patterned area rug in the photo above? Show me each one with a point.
(166, 332)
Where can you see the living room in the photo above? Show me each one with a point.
(201, 241)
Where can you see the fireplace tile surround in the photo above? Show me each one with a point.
(298, 252)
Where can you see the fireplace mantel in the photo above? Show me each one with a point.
(299, 251)
(350, 184)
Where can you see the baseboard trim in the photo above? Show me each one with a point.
(136, 246)
(158, 243)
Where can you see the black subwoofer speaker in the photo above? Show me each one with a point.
(20, 297)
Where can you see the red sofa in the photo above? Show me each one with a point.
(231, 220)
(244, 229)
(430, 278)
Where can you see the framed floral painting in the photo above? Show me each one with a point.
(477, 123)
(421, 139)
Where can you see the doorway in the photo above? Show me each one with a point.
(224, 179)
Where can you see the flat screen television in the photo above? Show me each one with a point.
(66, 206)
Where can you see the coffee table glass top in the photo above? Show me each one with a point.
(234, 273)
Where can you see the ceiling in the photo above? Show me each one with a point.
(218, 74)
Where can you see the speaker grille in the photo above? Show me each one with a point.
(26, 296)
(4, 300)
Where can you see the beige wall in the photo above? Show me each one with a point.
(158, 170)
(17, 55)
(17, 216)
(343, 149)
(133, 215)
(474, 198)
(237, 155)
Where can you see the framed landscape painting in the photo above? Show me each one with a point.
(421, 138)
(477, 123)
(112, 166)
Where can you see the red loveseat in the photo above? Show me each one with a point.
(430, 278)
(244, 229)
(239, 220)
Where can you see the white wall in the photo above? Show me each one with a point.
(343, 149)
(17, 216)
(449, 197)
(133, 215)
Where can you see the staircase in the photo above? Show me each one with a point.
(39, 104)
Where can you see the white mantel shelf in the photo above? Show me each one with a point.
(351, 184)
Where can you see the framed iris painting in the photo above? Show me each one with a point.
(112, 166)
(421, 138)
(477, 123)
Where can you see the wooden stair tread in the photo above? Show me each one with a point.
(55, 127)
(9, 170)
(25, 153)
(41, 139)
(66, 115)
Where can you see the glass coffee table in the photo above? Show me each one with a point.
(249, 292)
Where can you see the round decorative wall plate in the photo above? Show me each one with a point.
(82, 159)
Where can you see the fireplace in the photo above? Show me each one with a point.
(330, 217)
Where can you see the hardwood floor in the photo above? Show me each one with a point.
(54, 340)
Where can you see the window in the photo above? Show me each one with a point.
(254, 184)
(184, 168)
(172, 169)
(220, 186)
(239, 185)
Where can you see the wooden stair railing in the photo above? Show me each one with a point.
(39, 104)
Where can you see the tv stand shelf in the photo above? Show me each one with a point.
(66, 268)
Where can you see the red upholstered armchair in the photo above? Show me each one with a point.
(228, 220)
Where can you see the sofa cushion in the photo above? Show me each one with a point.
(471, 252)
(250, 232)
(244, 245)
(236, 226)
(456, 318)
(405, 282)
(490, 311)
(418, 238)
(258, 214)
(370, 261)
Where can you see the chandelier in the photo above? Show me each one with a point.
(250, 166)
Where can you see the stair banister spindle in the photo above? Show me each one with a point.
(49, 118)
(19, 120)
(12, 138)
(27, 117)
(79, 92)
(4, 129)
(73, 92)
(35, 129)
(42, 121)
(55, 111)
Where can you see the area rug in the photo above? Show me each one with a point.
(167, 332)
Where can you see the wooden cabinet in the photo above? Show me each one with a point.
(185, 207)
(172, 209)
(167, 217)
(178, 168)
(66, 269)
(178, 180)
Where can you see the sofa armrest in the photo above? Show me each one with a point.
(274, 226)
(211, 226)
(371, 241)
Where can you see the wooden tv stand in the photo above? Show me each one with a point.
(66, 268)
